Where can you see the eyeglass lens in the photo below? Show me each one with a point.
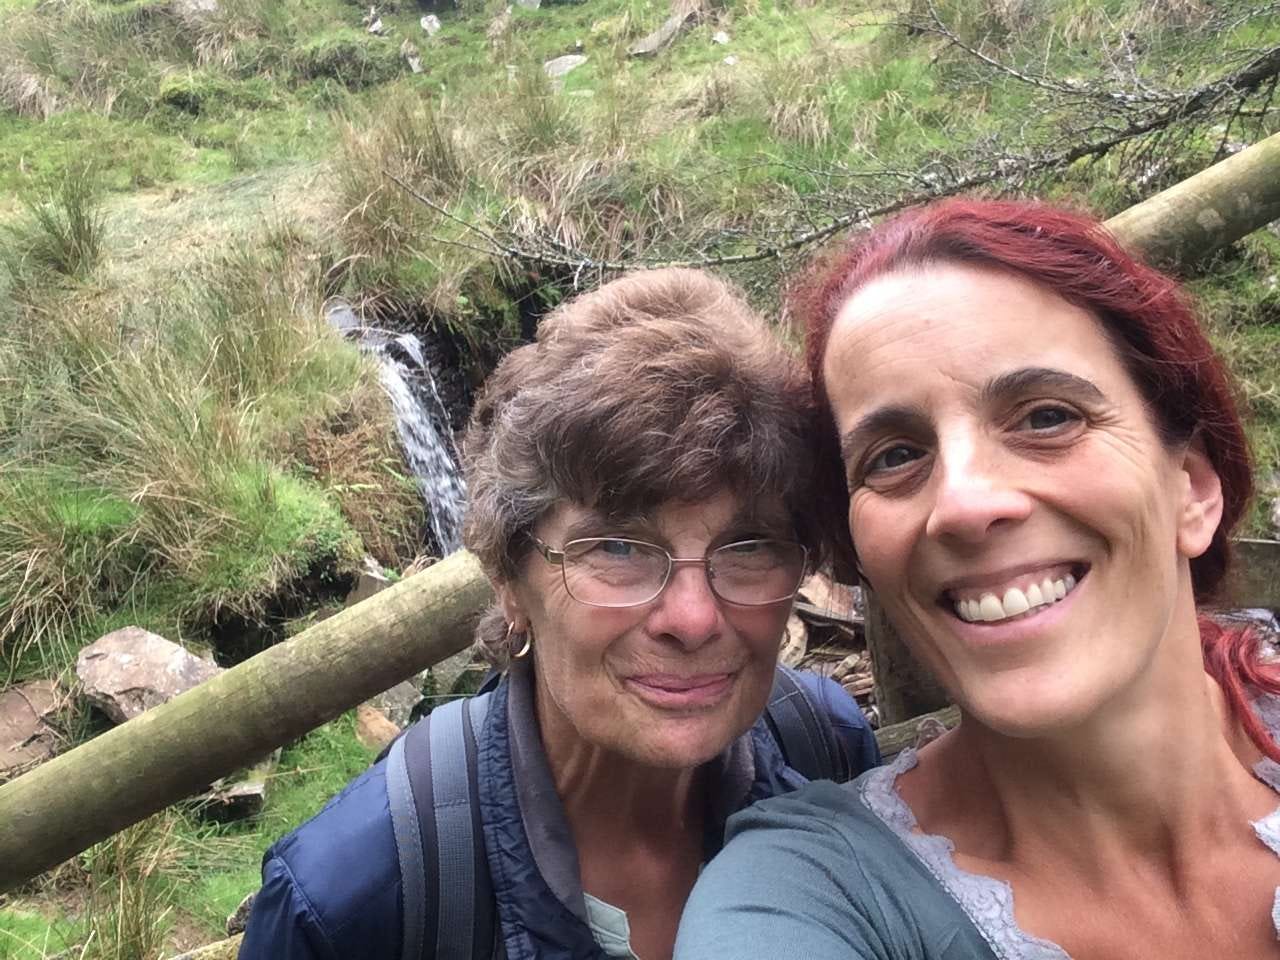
(611, 572)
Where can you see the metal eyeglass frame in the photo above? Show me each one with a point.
(557, 558)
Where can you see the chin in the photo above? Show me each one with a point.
(1030, 711)
(675, 746)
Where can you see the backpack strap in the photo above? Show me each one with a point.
(803, 730)
(432, 785)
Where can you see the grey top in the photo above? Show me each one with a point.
(840, 873)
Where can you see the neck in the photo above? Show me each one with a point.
(1159, 770)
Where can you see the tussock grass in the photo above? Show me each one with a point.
(152, 446)
(130, 903)
(62, 230)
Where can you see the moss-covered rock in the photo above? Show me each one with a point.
(353, 58)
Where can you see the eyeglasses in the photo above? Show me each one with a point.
(618, 572)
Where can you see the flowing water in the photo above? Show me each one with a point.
(421, 420)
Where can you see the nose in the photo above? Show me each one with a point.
(976, 491)
(687, 611)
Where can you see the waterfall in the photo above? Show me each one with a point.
(421, 420)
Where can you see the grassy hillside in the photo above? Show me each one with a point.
(185, 445)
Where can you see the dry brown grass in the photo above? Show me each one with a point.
(354, 455)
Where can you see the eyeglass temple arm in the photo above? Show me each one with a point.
(548, 553)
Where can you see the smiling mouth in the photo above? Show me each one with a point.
(682, 692)
(1020, 598)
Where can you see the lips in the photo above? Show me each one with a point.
(677, 691)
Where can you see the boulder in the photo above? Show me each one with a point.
(559, 68)
(430, 24)
(132, 670)
(670, 29)
(25, 738)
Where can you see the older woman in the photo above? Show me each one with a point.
(638, 496)
(1040, 462)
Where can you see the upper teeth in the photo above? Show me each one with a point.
(990, 608)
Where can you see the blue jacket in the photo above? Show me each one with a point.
(331, 889)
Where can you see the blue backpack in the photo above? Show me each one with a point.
(432, 786)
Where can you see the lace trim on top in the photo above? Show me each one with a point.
(988, 901)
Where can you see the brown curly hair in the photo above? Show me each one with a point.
(658, 386)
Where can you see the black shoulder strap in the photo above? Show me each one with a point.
(803, 731)
(432, 785)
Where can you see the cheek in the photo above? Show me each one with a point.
(873, 539)
(762, 628)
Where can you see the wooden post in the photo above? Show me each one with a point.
(1254, 580)
(903, 687)
(176, 749)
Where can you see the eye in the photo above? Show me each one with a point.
(615, 548)
(893, 458)
(1048, 418)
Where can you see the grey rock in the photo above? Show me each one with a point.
(132, 670)
(670, 29)
(529, 4)
(239, 918)
(25, 738)
(193, 12)
(720, 37)
(397, 703)
(447, 672)
(240, 798)
(559, 68)
(410, 54)
(430, 24)
(371, 580)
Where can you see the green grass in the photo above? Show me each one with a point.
(224, 860)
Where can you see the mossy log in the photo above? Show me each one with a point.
(1216, 207)
(177, 749)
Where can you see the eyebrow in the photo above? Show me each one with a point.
(594, 523)
(1045, 378)
(912, 418)
(881, 420)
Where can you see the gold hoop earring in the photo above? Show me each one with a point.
(528, 641)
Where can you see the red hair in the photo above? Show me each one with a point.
(1144, 313)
